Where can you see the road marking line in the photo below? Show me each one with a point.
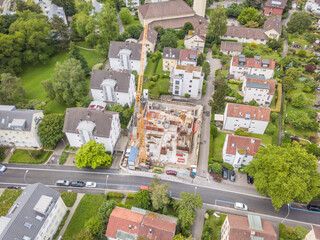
(137, 175)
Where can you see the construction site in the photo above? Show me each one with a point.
(172, 133)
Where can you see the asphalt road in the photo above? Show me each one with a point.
(17, 175)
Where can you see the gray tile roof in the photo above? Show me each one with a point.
(171, 53)
(97, 7)
(102, 120)
(255, 76)
(55, 10)
(245, 32)
(7, 116)
(151, 35)
(115, 47)
(273, 22)
(122, 79)
(258, 85)
(22, 213)
(231, 46)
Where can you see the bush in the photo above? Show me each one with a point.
(120, 204)
(187, 95)
(228, 166)
(130, 195)
(216, 168)
(210, 212)
(115, 195)
(213, 131)
(63, 158)
(217, 221)
(241, 132)
(299, 100)
(36, 154)
(2, 155)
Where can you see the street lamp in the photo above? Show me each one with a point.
(107, 183)
(25, 175)
(195, 190)
(287, 214)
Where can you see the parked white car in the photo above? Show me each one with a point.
(91, 184)
(2, 168)
(127, 152)
(241, 206)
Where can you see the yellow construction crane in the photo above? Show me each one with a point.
(138, 113)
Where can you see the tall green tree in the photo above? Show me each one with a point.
(6, 21)
(69, 82)
(11, 91)
(68, 6)
(218, 23)
(187, 27)
(60, 32)
(285, 174)
(299, 100)
(108, 27)
(142, 199)
(188, 203)
(159, 195)
(125, 16)
(206, 69)
(248, 14)
(93, 155)
(50, 129)
(106, 209)
(134, 31)
(169, 39)
(24, 6)
(74, 52)
(299, 22)
(218, 98)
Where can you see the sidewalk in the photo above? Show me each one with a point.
(72, 210)
(197, 227)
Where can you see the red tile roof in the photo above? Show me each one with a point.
(316, 230)
(253, 63)
(271, 83)
(151, 225)
(251, 145)
(239, 229)
(185, 55)
(240, 111)
(121, 219)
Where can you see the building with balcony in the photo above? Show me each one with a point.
(82, 125)
(113, 87)
(186, 80)
(258, 89)
(251, 227)
(174, 56)
(125, 56)
(274, 7)
(239, 150)
(251, 118)
(36, 214)
(241, 65)
(19, 128)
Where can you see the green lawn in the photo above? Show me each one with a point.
(181, 44)
(87, 208)
(29, 156)
(134, 22)
(217, 145)
(215, 224)
(150, 68)
(7, 198)
(33, 75)
(69, 198)
(263, 51)
(161, 87)
(265, 139)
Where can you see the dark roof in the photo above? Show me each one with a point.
(25, 213)
(263, 84)
(165, 9)
(276, 3)
(198, 22)
(273, 22)
(122, 79)
(231, 46)
(258, 85)
(151, 35)
(7, 115)
(115, 48)
(102, 120)
(171, 53)
(244, 32)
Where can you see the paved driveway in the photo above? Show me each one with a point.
(202, 170)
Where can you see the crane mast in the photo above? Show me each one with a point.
(138, 109)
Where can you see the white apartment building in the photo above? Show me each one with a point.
(258, 89)
(82, 125)
(113, 87)
(241, 65)
(251, 118)
(36, 214)
(125, 56)
(19, 128)
(239, 150)
(313, 6)
(186, 80)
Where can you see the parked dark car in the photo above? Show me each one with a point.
(224, 173)
(232, 176)
(14, 187)
(64, 183)
(77, 184)
(250, 179)
(314, 206)
(171, 172)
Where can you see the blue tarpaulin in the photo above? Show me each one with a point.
(133, 154)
